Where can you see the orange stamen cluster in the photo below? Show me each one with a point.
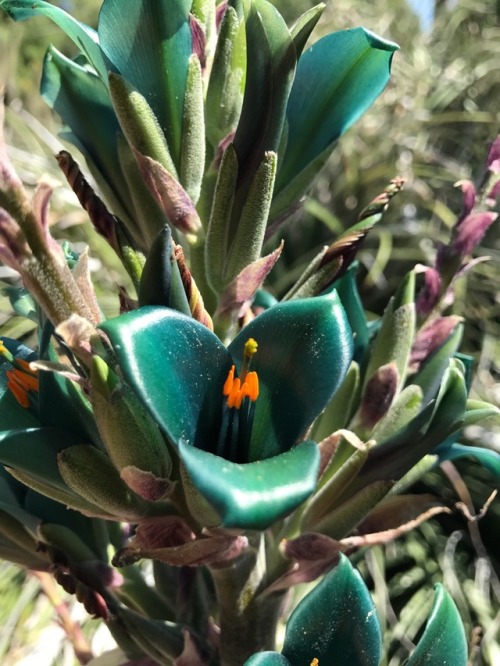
(21, 380)
(236, 389)
(315, 662)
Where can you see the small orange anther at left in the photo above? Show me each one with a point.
(228, 384)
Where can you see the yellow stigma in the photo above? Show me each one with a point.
(250, 348)
(5, 352)
(315, 662)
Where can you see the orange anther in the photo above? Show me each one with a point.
(252, 382)
(228, 384)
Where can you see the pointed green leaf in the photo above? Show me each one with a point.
(444, 640)
(431, 373)
(336, 623)
(149, 44)
(302, 28)
(82, 35)
(337, 79)
(82, 101)
(407, 405)
(227, 79)
(305, 349)
(254, 495)
(246, 243)
(138, 122)
(337, 413)
(216, 245)
(396, 333)
(193, 133)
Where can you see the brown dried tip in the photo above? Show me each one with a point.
(193, 294)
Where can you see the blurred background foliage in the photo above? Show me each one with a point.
(433, 126)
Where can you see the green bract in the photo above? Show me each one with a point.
(178, 368)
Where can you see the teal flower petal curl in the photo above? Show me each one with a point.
(255, 495)
(305, 348)
(178, 368)
(337, 623)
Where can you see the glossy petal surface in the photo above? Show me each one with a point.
(267, 659)
(178, 368)
(305, 348)
(336, 623)
(254, 495)
(443, 641)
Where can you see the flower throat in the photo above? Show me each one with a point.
(241, 393)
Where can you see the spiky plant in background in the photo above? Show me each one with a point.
(241, 443)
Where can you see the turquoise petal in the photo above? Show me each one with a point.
(149, 44)
(255, 495)
(267, 659)
(178, 368)
(337, 623)
(443, 641)
(337, 79)
(305, 348)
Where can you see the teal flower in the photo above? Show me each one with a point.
(337, 623)
(237, 416)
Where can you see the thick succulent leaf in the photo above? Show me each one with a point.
(486, 457)
(337, 79)
(443, 641)
(178, 368)
(339, 410)
(254, 495)
(396, 333)
(149, 44)
(267, 659)
(336, 623)
(227, 79)
(82, 35)
(82, 101)
(305, 349)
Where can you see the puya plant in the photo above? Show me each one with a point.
(241, 443)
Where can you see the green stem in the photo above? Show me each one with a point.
(247, 622)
